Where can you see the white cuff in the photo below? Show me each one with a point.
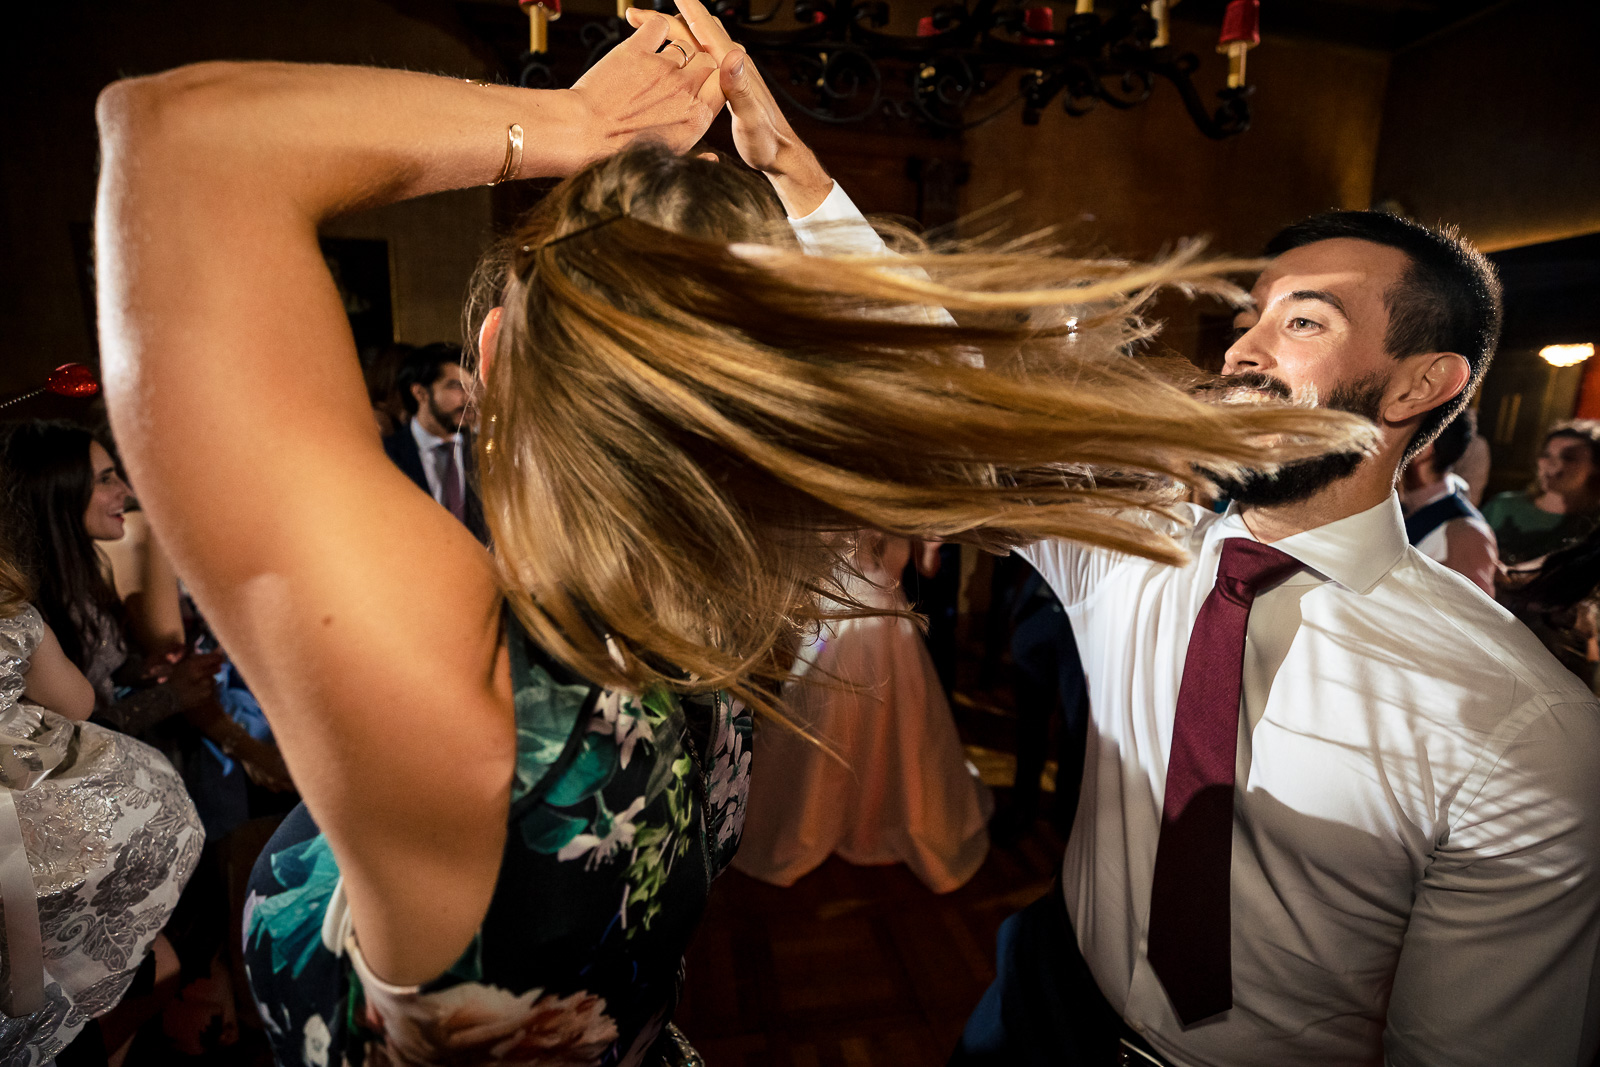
(837, 227)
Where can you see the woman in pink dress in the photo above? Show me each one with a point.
(887, 780)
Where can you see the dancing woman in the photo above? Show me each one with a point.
(524, 769)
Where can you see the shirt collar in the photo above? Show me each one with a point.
(1356, 551)
(425, 440)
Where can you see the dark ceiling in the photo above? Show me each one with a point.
(1387, 25)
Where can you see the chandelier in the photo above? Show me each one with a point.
(968, 62)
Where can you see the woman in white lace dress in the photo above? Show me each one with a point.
(97, 838)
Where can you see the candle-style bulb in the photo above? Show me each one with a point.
(1241, 31)
(540, 14)
(1161, 12)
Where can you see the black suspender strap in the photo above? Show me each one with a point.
(1424, 521)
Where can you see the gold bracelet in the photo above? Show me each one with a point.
(513, 155)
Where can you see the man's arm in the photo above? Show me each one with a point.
(1470, 551)
(1498, 965)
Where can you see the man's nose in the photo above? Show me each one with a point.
(1247, 354)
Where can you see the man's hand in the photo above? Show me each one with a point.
(764, 138)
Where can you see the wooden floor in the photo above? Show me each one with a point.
(852, 965)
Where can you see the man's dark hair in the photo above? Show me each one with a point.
(1451, 443)
(1448, 300)
(423, 366)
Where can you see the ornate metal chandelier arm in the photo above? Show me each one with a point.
(838, 66)
(1137, 86)
(1232, 116)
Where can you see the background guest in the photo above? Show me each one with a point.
(1563, 504)
(434, 448)
(1558, 597)
(147, 586)
(882, 778)
(1473, 466)
(1047, 682)
(99, 888)
(66, 495)
(1440, 519)
(381, 373)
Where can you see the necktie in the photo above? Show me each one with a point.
(450, 480)
(1190, 936)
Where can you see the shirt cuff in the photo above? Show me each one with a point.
(837, 227)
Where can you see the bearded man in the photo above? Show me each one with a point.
(1338, 807)
(434, 447)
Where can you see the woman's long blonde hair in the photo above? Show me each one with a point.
(684, 416)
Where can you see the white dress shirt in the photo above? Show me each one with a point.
(1417, 809)
(427, 447)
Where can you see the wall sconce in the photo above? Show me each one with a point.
(1566, 355)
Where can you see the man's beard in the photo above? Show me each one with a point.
(449, 420)
(1305, 478)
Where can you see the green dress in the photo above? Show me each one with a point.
(623, 810)
(1523, 532)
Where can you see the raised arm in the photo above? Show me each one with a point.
(54, 682)
(363, 616)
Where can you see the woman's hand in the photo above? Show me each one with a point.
(641, 89)
(764, 138)
(193, 680)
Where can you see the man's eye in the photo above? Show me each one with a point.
(1302, 324)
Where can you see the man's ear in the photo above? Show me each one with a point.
(419, 393)
(1433, 379)
(488, 336)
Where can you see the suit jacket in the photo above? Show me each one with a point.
(402, 449)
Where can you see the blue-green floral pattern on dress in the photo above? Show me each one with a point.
(624, 807)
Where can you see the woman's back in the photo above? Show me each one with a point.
(622, 811)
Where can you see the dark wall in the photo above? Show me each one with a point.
(1133, 182)
(1495, 125)
(47, 174)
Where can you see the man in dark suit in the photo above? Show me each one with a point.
(434, 447)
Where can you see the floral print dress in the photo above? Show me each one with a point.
(623, 810)
(110, 838)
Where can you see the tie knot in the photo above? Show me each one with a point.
(1253, 564)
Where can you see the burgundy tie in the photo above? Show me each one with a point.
(1190, 937)
(450, 480)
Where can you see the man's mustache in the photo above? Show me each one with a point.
(1247, 381)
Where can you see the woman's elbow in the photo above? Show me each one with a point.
(135, 114)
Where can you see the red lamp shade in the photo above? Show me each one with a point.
(1039, 19)
(1242, 22)
(925, 26)
(72, 379)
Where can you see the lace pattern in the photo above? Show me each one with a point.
(111, 838)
